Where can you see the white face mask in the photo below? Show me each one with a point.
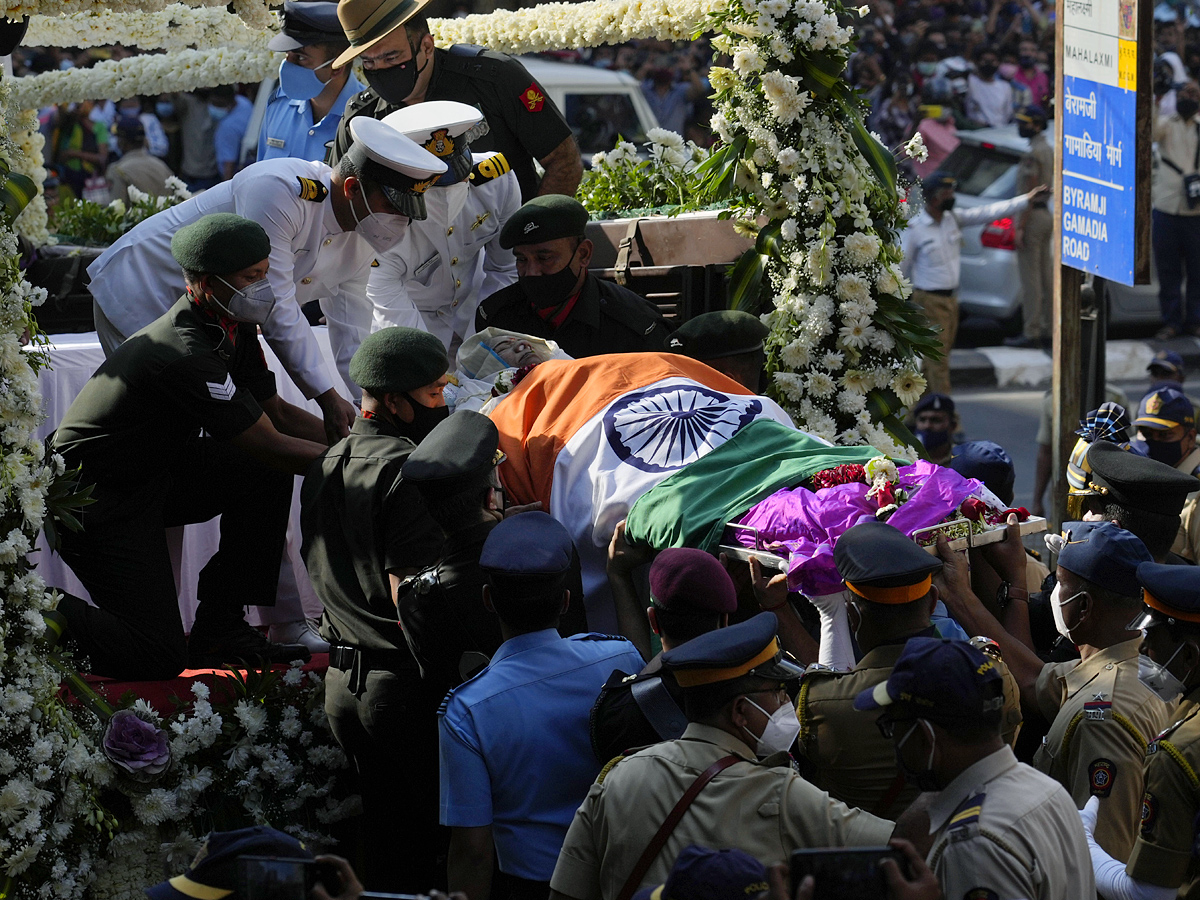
(444, 204)
(253, 303)
(781, 732)
(1158, 679)
(1056, 606)
(382, 231)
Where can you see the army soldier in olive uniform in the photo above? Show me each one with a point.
(690, 594)
(1101, 717)
(1000, 828)
(365, 529)
(557, 298)
(180, 425)
(734, 683)
(402, 67)
(890, 580)
(729, 340)
(1163, 864)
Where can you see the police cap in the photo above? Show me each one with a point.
(387, 158)
(715, 335)
(944, 681)
(456, 456)
(1136, 481)
(1164, 409)
(683, 579)
(445, 128)
(938, 180)
(531, 545)
(305, 22)
(1169, 362)
(214, 871)
(1031, 113)
(398, 359)
(544, 218)
(1171, 591)
(130, 128)
(703, 874)
(935, 402)
(987, 461)
(1105, 555)
(880, 564)
(748, 648)
(219, 244)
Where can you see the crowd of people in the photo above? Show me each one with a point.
(1002, 719)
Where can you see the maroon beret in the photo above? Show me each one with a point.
(685, 579)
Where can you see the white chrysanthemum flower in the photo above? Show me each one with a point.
(252, 716)
(788, 229)
(850, 402)
(819, 384)
(853, 288)
(861, 248)
(795, 355)
(832, 361)
(747, 61)
(790, 385)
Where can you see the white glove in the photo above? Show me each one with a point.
(1088, 816)
(837, 652)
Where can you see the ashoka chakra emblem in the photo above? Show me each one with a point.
(666, 428)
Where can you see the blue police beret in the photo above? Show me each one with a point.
(748, 648)
(1105, 555)
(985, 460)
(214, 871)
(703, 874)
(878, 562)
(944, 681)
(683, 578)
(529, 544)
(1173, 591)
(1164, 409)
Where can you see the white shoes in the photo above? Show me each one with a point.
(303, 631)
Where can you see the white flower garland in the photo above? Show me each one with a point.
(177, 27)
(183, 70)
(254, 12)
(26, 158)
(553, 26)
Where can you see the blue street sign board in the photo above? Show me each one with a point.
(1099, 155)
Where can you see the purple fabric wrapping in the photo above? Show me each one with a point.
(808, 524)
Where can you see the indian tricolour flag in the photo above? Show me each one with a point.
(588, 437)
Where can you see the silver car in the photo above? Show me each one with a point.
(985, 164)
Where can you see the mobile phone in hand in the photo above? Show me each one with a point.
(845, 873)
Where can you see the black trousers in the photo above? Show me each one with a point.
(386, 722)
(134, 631)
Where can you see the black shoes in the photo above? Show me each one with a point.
(235, 642)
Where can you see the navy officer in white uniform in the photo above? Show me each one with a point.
(304, 112)
(325, 227)
(436, 276)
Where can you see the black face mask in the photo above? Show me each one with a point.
(987, 71)
(546, 292)
(933, 440)
(947, 204)
(1168, 452)
(1186, 108)
(425, 419)
(1026, 62)
(1026, 131)
(395, 83)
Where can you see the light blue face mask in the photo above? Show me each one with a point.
(300, 83)
(217, 112)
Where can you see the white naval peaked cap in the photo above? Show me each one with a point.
(385, 145)
(422, 121)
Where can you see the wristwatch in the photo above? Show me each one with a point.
(1006, 593)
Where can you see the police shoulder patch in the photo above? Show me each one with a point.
(1149, 812)
(311, 189)
(1102, 774)
(489, 169)
(980, 893)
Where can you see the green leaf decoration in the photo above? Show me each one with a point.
(746, 281)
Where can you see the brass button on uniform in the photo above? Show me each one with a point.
(328, 241)
(454, 261)
(450, 230)
(306, 281)
(457, 283)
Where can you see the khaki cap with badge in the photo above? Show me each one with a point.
(367, 22)
(387, 158)
(445, 128)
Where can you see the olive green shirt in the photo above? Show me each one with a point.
(1101, 719)
(1164, 851)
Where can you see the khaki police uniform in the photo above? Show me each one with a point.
(850, 758)
(1102, 720)
(1034, 257)
(1164, 853)
(1002, 830)
(1187, 541)
(760, 806)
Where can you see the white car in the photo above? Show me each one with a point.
(985, 164)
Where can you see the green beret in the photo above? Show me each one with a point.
(544, 218)
(717, 334)
(220, 244)
(455, 457)
(398, 359)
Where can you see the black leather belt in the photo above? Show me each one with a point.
(941, 292)
(343, 656)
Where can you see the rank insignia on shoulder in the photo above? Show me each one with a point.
(489, 169)
(313, 190)
(1102, 775)
(968, 813)
(1097, 710)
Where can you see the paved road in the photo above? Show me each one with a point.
(1010, 418)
